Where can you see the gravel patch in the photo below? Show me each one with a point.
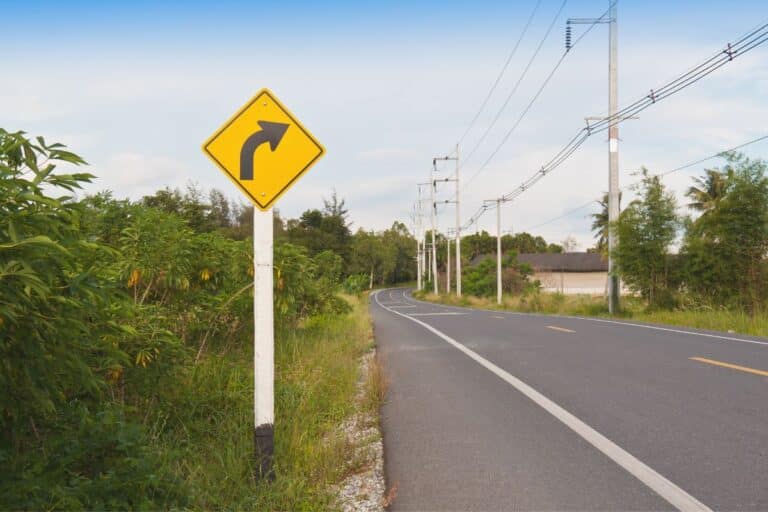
(363, 490)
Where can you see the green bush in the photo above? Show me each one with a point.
(355, 284)
(91, 460)
(480, 280)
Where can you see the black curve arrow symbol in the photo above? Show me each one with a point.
(270, 132)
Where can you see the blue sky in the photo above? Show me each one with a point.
(385, 86)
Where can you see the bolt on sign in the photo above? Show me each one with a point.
(263, 149)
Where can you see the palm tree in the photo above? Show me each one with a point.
(708, 190)
(600, 224)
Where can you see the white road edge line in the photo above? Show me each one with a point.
(601, 320)
(656, 482)
(437, 313)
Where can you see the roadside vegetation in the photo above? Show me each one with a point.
(126, 343)
(707, 269)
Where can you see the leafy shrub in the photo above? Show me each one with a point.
(355, 284)
(66, 343)
(93, 460)
(480, 280)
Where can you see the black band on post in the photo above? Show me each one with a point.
(264, 444)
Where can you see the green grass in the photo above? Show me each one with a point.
(206, 432)
(632, 308)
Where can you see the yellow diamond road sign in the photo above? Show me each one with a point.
(263, 149)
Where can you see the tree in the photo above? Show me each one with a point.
(318, 230)
(646, 229)
(709, 189)
(367, 255)
(570, 244)
(335, 207)
(219, 213)
(400, 254)
(480, 280)
(724, 249)
(600, 225)
(189, 206)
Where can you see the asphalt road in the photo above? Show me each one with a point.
(491, 410)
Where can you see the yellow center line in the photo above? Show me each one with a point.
(561, 329)
(729, 365)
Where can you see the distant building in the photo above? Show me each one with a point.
(570, 273)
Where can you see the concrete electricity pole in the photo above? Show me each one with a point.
(498, 203)
(421, 253)
(447, 265)
(498, 251)
(613, 159)
(614, 284)
(416, 229)
(433, 205)
(458, 229)
(455, 179)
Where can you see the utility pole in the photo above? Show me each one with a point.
(458, 229)
(499, 201)
(447, 265)
(423, 270)
(498, 252)
(613, 159)
(614, 284)
(417, 236)
(434, 227)
(455, 179)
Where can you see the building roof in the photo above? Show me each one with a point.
(557, 262)
(565, 262)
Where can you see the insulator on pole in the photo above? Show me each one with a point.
(568, 37)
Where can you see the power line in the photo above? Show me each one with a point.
(661, 174)
(501, 73)
(533, 99)
(517, 84)
(733, 50)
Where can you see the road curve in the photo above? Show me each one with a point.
(490, 410)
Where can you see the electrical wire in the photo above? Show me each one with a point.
(501, 73)
(533, 99)
(732, 52)
(520, 79)
(661, 174)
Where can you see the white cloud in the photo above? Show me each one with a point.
(135, 175)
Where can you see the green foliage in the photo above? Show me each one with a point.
(355, 284)
(707, 191)
(107, 310)
(480, 280)
(330, 268)
(320, 230)
(483, 243)
(724, 248)
(299, 292)
(66, 338)
(646, 229)
(93, 460)
(600, 225)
